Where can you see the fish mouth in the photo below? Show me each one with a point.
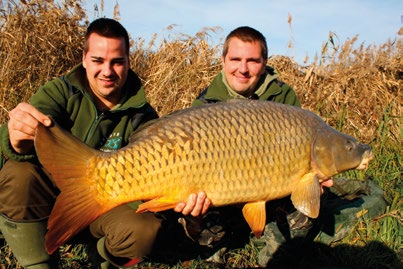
(367, 156)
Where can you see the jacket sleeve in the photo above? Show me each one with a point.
(51, 98)
(7, 151)
(147, 115)
(44, 102)
(288, 96)
(198, 102)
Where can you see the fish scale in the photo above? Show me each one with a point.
(212, 148)
(238, 152)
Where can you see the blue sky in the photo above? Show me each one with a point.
(373, 21)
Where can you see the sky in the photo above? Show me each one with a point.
(374, 21)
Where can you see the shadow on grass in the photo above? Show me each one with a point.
(299, 253)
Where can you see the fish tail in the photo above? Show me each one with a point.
(66, 159)
(71, 214)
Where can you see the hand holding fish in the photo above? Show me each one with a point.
(196, 205)
(22, 124)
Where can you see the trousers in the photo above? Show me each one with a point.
(28, 194)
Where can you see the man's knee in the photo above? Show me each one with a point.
(16, 178)
(26, 191)
(127, 233)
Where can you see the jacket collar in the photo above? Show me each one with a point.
(219, 89)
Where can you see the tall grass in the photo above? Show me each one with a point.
(355, 88)
(38, 40)
(175, 70)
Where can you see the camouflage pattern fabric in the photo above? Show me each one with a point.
(341, 207)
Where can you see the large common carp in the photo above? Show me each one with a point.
(236, 152)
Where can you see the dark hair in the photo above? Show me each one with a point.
(246, 34)
(107, 28)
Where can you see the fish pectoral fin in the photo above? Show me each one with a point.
(306, 196)
(255, 215)
(156, 205)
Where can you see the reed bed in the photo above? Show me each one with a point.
(354, 87)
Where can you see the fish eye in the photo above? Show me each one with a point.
(349, 145)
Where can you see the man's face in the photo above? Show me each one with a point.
(107, 65)
(243, 66)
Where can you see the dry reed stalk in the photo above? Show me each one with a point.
(38, 41)
(356, 89)
(177, 69)
(351, 87)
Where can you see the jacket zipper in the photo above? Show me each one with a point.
(94, 124)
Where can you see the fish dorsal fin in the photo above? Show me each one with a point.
(255, 215)
(306, 195)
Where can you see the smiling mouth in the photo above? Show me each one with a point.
(242, 77)
(107, 81)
